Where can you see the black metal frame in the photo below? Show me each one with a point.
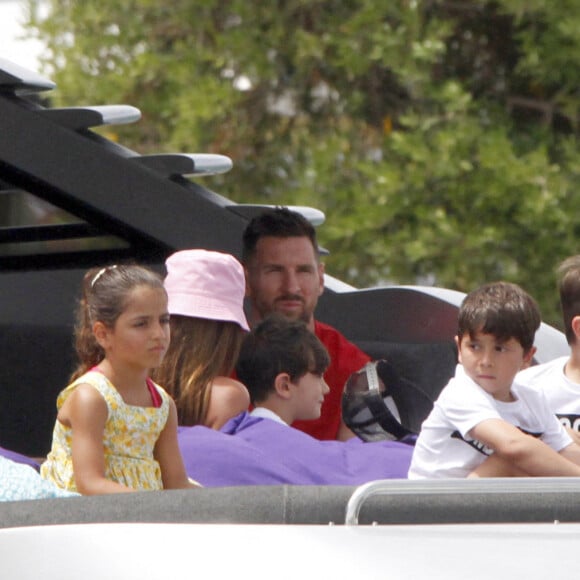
(110, 188)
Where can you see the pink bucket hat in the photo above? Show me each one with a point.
(206, 284)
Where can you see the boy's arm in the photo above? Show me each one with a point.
(522, 452)
(574, 435)
(495, 466)
(572, 451)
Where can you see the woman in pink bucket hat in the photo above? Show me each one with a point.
(206, 294)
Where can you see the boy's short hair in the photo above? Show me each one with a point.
(569, 288)
(503, 310)
(278, 345)
(279, 222)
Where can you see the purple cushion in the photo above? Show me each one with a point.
(254, 451)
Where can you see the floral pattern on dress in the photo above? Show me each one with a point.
(129, 439)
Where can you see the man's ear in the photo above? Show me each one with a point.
(282, 384)
(101, 333)
(248, 287)
(320, 278)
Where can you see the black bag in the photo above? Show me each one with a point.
(378, 404)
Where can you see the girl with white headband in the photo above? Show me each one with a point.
(116, 430)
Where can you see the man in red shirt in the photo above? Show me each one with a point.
(284, 274)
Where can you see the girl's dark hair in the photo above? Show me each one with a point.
(199, 351)
(104, 299)
(278, 345)
(503, 310)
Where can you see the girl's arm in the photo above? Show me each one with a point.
(167, 453)
(521, 452)
(86, 412)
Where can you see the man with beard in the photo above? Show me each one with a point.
(284, 274)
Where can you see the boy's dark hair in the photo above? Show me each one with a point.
(278, 345)
(569, 288)
(502, 309)
(279, 222)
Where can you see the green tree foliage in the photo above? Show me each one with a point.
(440, 138)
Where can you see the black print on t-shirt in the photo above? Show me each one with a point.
(570, 421)
(477, 445)
(482, 447)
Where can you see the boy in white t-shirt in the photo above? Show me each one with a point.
(483, 424)
(560, 378)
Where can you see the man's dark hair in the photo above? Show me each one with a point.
(278, 345)
(501, 309)
(279, 222)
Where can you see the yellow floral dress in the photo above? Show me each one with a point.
(129, 438)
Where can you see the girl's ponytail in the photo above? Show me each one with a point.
(88, 350)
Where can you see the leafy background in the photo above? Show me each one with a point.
(440, 138)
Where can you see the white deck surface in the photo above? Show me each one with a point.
(156, 551)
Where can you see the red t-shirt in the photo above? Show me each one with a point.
(345, 359)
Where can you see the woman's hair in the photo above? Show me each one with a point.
(200, 350)
(104, 298)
